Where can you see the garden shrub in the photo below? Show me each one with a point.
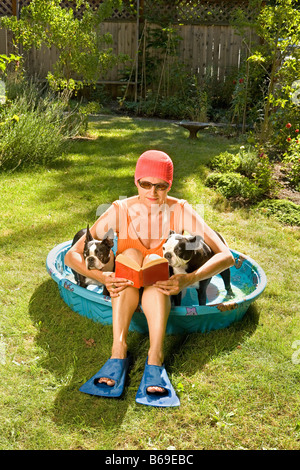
(225, 162)
(291, 160)
(248, 161)
(92, 107)
(173, 107)
(233, 184)
(262, 176)
(244, 162)
(244, 174)
(35, 128)
(287, 212)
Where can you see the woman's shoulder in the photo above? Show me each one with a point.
(125, 201)
(175, 201)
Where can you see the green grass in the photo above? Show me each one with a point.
(239, 387)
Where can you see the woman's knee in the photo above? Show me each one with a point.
(130, 295)
(151, 296)
(134, 254)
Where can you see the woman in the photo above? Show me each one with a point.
(142, 224)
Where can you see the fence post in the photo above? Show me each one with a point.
(137, 49)
(15, 8)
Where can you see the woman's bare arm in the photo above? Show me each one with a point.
(74, 257)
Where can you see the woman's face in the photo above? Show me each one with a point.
(154, 195)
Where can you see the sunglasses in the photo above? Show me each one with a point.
(158, 186)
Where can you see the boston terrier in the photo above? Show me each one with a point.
(97, 255)
(185, 254)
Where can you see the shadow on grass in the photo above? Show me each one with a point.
(109, 159)
(195, 350)
(99, 171)
(77, 347)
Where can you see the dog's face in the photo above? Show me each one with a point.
(97, 252)
(179, 249)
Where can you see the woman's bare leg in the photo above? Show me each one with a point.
(156, 307)
(123, 307)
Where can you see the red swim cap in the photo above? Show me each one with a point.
(156, 164)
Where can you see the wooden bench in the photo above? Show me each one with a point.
(194, 126)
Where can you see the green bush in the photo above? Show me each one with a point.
(172, 107)
(92, 107)
(287, 212)
(233, 184)
(244, 175)
(248, 161)
(35, 128)
(291, 161)
(244, 162)
(225, 162)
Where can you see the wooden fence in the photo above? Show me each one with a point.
(215, 50)
(205, 49)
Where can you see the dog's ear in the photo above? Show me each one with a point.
(194, 242)
(109, 234)
(171, 232)
(88, 237)
(109, 237)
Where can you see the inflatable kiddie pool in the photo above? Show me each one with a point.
(247, 278)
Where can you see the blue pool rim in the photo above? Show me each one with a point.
(183, 319)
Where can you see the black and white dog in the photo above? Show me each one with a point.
(185, 254)
(97, 255)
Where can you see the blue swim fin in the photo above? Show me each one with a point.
(156, 376)
(115, 369)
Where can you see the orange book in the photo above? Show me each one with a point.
(152, 271)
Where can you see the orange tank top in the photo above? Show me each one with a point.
(128, 236)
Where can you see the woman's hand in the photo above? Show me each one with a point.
(115, 284)
(174, 285)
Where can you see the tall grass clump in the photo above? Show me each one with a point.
(35, 128)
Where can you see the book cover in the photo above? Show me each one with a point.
(152, 271)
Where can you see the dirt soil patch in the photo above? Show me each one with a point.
(285, 191)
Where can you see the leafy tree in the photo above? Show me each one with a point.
(279, 27)
(277, 24)
(5, 60)
(84, 53)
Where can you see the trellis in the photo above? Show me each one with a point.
(6, 8)
(168, 11)
(11, 7)
(217, 12)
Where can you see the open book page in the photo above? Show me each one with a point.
(154, 270)
(123, 259)
(154, 262)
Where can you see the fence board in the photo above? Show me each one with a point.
(216, 52)
(204, 49)
(124, 36)
(223, 52)
(3, 41)
(6, 46)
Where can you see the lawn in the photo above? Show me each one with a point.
(239, 387)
